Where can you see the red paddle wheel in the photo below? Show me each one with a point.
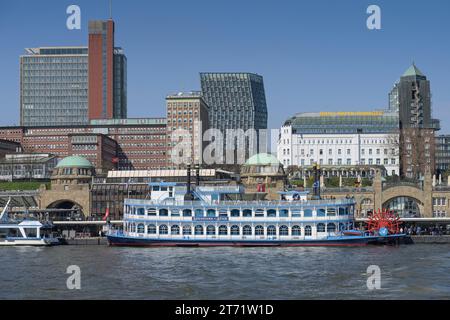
(384, 219)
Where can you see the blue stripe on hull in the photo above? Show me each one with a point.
(350, 241)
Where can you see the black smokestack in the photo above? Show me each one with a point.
(197, 172)
(188, 179)
(188, 196)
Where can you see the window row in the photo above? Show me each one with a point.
(234, 230)
(237, 213)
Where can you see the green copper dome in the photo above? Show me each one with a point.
(262, 159)
(74, 162)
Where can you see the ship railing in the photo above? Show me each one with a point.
(257, 203)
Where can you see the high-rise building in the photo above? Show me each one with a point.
(235, 100)
(120, 84)
(187, 120)
(411, 99)
(72, 85)
(54, 86)
(107, 73)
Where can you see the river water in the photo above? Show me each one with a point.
(407, 272)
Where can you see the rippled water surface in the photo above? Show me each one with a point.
(407, 272)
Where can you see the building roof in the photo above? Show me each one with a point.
(262, 159)
(382, 121)
(74, 162)
(413, 71)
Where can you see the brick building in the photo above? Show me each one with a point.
(139, 143)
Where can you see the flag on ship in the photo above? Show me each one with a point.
(106, 214)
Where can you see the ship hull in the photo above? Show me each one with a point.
(123, 241)
(25, 243)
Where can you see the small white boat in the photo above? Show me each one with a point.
(24, 233)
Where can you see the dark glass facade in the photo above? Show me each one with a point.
(442, 152)
(120, 85)
(112, 195)
(235, 100)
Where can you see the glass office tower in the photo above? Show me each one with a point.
(54, 86)
(235, 100)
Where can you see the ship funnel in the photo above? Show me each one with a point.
(188, 196)
(197, 173)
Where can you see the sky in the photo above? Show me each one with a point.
(314, 55)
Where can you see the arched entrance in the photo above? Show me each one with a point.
(66, 210)
(405, 207)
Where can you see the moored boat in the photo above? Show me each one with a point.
(175, 215)
(25, 233)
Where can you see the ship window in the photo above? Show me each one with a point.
(175, 213)
(223, 231)
(271, 231)
(284, 213)
(223, 213)
(211, 213)
(321, 213)
(235, 230)
(235, 213)
(296, 231)
(198, 212)
(270, 213)
(141, 228)
(247, 230)
(259, 230)
(163, 229)
(187, 230)
(187, 213)
(331, 227)
(31, 232)
(199, 230)
(259, 213)
(155, 188)
(321, 227)
(308, 231)
(247, 213)
(342, 227)
(163, 212)
(175, 229)
(141, 211)
(331, 211)
(211, 230)
(151, 212)
(296, 213)
(284, 231)
(342, 211)
(308, 213)
(151, 229)
(132, 227)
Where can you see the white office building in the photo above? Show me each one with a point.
(344, 143)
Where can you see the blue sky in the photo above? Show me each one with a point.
(314, 55)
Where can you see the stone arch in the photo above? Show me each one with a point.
(403, 191)
(75, 210)
(64, 204)
(405, 206)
